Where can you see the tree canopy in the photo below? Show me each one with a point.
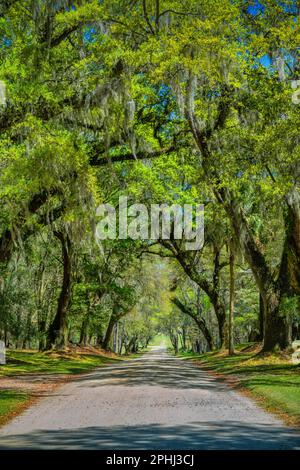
(167, 102)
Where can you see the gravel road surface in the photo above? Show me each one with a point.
(153, 402)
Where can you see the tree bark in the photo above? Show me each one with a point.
(84, 328)
(231, 303)
(57, 333)
(276, 330)
(276, 325)
(216, 299)
(109, 331)
(261, 318)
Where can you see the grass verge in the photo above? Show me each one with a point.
(271, 379)
(12, 402)
(32, 362)
(20, 363)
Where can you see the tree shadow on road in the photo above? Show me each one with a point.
(198, 436)
(165, 372)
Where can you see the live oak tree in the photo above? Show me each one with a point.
(210, 59)
(100, 96)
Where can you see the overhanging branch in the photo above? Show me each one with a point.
(102, 161)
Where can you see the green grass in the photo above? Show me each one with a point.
(11, 402)
(31, 362)
(272, 379)
(28, 362)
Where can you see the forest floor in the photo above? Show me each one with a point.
(155, 401)
(272, 380)
(28, 374)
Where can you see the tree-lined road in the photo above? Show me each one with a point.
(153, 402)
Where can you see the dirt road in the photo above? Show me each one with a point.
(154, 402)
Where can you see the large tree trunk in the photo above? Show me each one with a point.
(220, 312)
(261, 318)
(57, 333)
(84, 328)
(231, 303)
(215, 297)
(276, 330)
(113, 319)
(275, 325)
(108, 333)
